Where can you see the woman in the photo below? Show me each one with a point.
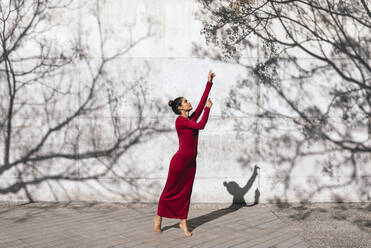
(175, 198)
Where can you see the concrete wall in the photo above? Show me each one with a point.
(160, 67)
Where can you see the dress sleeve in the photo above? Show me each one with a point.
(184, 123)
(196, 114)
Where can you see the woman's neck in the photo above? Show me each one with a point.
(185, 115)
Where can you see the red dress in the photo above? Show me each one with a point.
(175, 198)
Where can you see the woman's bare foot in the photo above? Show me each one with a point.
(183, 225)
(157, 220)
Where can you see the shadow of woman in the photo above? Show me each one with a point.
(238, 202)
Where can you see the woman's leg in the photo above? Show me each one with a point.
(158, 220)
(183, 225)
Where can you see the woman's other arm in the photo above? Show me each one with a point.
(184, 123)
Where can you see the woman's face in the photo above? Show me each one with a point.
(185, 105)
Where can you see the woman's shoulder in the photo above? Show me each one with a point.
(182, 118)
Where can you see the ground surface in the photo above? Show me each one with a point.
(212, 225)
(329, 224)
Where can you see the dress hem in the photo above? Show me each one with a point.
(172, 217)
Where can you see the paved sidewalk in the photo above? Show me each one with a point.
(116, 225)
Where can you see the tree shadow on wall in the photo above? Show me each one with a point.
(293, 129)
(72, 125)
(238, 202)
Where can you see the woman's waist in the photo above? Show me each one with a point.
(187, 152)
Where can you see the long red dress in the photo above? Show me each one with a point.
(175, 198)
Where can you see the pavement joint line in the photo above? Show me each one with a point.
(117, 240)
(294, 245)
(105, 239)
(105, 219)
(263, 223)
(41, 241)
(197, 240)
(275, 241)
(66, 235)
(231, 237)
(49, 244)
(253, 237)
(222, 244)
(267, 238)
(253, 216)
(290, 242)
(24, 237)
(64, 221)
(271, 223)
(45, 230)
(226, 222)
(11, 242)
(234, 242)
(142, 242)
(259, 217)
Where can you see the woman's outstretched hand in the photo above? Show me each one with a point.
(210, 76)
(209, 103)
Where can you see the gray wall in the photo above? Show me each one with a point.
(159, 67)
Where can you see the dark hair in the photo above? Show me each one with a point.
(174, 104)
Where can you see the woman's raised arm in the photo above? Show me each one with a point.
(194, 116)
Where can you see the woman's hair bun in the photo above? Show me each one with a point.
(170, 102)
